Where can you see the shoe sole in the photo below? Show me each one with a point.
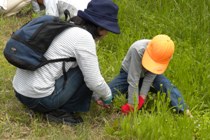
(51, 118)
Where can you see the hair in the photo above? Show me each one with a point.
(92, 28)
(40, 2)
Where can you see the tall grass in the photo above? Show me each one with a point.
(186, 22)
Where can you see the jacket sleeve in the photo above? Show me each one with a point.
(88, 63)
(134, 72)
(147, 82)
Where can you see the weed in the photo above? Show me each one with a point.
(186, 22)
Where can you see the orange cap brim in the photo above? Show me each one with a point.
(152, 66)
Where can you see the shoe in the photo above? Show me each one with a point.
(64, 117)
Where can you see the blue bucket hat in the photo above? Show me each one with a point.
(102, 13)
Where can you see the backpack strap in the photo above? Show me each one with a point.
(64, 74)
(58, 60)
(63, 66)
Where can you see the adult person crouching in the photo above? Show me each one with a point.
(42, 90)
(57, 7)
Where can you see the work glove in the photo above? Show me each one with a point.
(108, 100)
(126, 108)
(141, 102)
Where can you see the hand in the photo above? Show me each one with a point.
(101, 103)
(141, 102)
(127, 108)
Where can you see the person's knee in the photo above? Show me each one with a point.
(162, 79)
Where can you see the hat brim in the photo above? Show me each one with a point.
(152, 66)
(100, 21)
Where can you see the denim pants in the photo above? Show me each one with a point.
(74, 97)
(160, 83)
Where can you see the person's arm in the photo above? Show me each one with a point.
(88, 62)
(134, 72)
(51, 7)
(147, 82)
(133, 58)
(133, 65)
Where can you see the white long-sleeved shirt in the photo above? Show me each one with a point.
(73, 42)
(132, 64)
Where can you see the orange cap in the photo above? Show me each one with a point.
(158, 53)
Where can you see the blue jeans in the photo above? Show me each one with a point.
(120, 84)
(74, 97)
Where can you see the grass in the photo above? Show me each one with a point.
(186, 22)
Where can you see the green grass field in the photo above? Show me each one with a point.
(186, 22)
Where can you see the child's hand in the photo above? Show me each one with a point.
(141, 102)
(127, 108)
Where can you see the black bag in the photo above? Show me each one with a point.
(26, 47)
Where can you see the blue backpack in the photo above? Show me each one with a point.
(27, 46)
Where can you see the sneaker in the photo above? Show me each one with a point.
(64, 117)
